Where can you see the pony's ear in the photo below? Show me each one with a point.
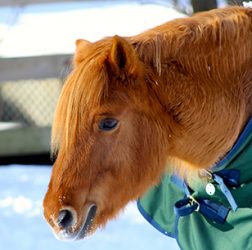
(81, 46)
(122, 56)
(81, 43)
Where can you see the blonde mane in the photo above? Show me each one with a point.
(81, 91)
(194, 42)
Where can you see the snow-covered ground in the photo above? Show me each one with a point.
(22, 226)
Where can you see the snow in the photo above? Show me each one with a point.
(247, 4)
(53, 28)
(22, 226)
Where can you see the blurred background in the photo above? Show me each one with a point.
(37, 40)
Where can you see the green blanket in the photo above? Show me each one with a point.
(196, 231)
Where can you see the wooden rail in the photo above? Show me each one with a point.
(37, 67)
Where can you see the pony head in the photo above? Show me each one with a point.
(109, 138)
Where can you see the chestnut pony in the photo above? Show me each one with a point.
(180, 93)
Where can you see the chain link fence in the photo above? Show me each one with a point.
(29, 102)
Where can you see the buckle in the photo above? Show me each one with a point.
(194, 201)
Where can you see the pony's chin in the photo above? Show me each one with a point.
(84, 229)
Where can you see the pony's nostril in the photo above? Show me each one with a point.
(65, 218)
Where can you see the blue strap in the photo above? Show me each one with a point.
(231, 177)
(213, 210)
(210, 209)
(185, 207)
(225, 191)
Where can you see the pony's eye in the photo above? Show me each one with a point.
(108, 124)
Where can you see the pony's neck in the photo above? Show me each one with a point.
(201, 87)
